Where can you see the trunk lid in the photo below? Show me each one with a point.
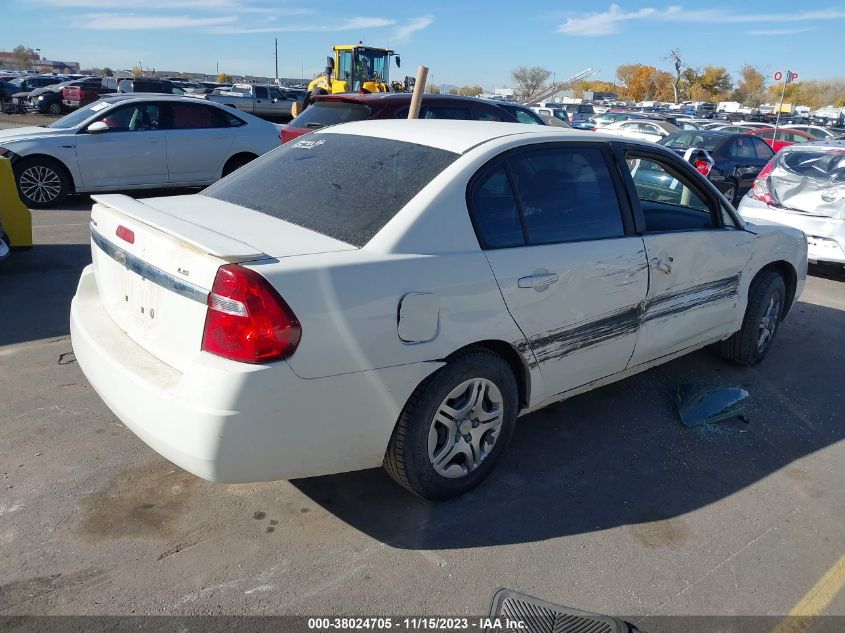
(155, 262)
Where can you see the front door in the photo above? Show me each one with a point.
(133, 151)
(569, 268)
(695, 257)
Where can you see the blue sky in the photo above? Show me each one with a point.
(461, 41)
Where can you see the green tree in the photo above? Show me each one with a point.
(751, 86)
(108, 72)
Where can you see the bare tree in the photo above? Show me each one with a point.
(675, 57)
(24, 56)
(529, 81)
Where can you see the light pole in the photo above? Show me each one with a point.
(276, 43)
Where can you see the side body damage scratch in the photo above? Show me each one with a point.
(560, 342)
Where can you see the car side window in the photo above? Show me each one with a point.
(566, 194)
(261, 92)
(444, 112)
(668, 199)
(495, 211)
(761, 149)
(188, 116)
(742, 148)
(524, 117)
(486, 115)
(133, 118)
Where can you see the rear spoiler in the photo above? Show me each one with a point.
(200, 237)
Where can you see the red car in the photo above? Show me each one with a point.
(342, 108)
(786, 136)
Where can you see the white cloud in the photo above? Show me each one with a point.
(349, 24)
(147, 4)
(608, 22)
(137, 22)
(604, 23)
(781, 31)
(403, 33)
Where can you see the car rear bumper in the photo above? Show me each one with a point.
(825, 236)
(232, 422)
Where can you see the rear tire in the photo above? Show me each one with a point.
(55, 109)
(454, 427)
(766, 301)
(42, 182)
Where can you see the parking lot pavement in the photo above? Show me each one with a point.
(604, 502)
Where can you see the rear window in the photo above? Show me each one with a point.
(824, 164)
(323, 113)
(341, 185)
(700, 141)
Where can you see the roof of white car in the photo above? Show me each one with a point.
(452, 135)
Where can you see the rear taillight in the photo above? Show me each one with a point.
(703, 166)
(760, 189)
(247, 320)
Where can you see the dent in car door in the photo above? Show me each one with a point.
(554, 234)
(694, 261)
(132, 152)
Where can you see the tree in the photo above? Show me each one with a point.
(470, 91)
(751, 87)
(710, 84)
(435, 90)
(453, 91)
(223, 78)
(108, 72)
(136, 71)
(675, 57)
(529, 81)
(24, 56)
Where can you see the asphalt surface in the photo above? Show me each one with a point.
(604, 503)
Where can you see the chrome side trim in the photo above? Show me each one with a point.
(149, 272)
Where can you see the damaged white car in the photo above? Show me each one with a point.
(804, 186)
(399, 292)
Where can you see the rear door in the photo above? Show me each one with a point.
(747, 163)
(199, 140)
(263, 105)
(132, 152)
(695, 255)
(561, 246)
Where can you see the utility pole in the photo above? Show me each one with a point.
(276, 41)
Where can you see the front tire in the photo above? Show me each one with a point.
(55, 109)
(236, 162)
(766, 301)
(42, 182)
(454, 427)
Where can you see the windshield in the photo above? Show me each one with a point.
(370, 65)
(315, 183)
(77, 117)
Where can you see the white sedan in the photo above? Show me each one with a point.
(399, 292)
(133, 142)
(641, 129)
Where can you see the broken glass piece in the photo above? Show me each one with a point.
(700, 404)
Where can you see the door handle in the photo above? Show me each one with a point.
(538, 282)
(663, 266)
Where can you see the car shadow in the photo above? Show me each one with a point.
(835, 272)
(619, 455)
(36, 286)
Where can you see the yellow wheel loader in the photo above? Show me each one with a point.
(355, 68)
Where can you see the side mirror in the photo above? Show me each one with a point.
(98, 127)
(398, 62)
(329, 66)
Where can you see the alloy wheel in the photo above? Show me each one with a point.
(465, 428)
(40, 184)
(768, 324)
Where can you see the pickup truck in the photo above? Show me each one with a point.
(266, 100)
(82, 93)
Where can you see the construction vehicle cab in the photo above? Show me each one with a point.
(354, 68)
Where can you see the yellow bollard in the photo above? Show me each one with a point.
(14, 216)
